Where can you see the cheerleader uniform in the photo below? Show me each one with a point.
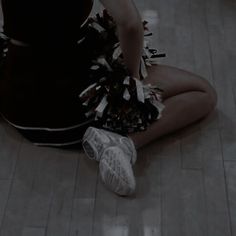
(71, 75)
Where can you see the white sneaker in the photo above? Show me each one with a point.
(116, 171)
(95, 141)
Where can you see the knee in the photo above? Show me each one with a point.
(209, 91)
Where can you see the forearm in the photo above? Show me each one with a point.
(130, 31)
(131, 42)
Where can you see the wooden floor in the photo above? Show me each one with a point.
(186, 182)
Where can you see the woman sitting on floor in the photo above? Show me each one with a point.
(68, 79)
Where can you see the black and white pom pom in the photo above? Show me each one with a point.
(123, 106)
(120, 102)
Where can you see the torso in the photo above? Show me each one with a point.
(44, 21)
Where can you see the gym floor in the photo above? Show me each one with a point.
(186, 182)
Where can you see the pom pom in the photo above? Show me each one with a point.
(120, 102)
(124, 105)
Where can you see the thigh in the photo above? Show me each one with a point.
(174, 81)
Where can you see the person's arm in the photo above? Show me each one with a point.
(130, 31)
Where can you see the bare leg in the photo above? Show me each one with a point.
(187, 98)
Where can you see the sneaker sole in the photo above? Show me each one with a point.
(115, 182)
